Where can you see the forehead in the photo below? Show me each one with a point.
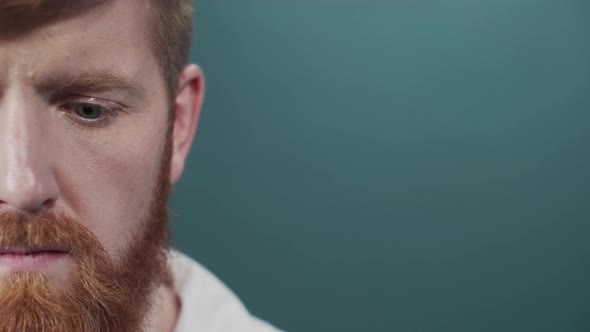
(123, 20)
(110, 36)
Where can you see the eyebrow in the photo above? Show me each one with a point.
(84, 82)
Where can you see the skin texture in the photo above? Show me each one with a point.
(102, 174)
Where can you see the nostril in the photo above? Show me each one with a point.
(48, 203)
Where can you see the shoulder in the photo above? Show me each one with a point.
(207, 304)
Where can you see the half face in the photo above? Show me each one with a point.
(83, 124)
(86, 159)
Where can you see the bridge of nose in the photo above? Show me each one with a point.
(27, 180)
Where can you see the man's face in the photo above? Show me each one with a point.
(88, 151)
(83, 132)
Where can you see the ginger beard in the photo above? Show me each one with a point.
(101, 293)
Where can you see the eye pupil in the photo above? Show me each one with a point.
(88, 111)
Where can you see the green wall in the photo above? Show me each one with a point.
(394, 165)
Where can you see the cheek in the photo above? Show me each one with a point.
(108, 177)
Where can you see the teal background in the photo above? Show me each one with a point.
(394, 165)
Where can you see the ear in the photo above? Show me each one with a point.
(188, 107)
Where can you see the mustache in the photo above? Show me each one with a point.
(47, 231)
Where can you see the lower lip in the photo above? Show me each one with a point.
(32, 262)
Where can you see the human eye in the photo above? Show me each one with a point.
(92, 112)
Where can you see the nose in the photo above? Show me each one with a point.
(27, 179)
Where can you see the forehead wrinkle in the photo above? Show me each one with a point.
(116, 42)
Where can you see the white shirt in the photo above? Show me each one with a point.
(207, 305)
